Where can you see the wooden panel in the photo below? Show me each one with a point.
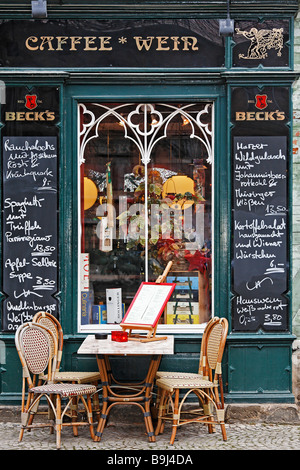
(259, 370)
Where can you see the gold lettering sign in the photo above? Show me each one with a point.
(29, 115)
(260, 116)
(60, 43)
(103, 43)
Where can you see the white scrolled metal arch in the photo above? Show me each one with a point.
(145, 139)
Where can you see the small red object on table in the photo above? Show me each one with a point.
(120, 336)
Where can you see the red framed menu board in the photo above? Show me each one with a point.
(146, 308)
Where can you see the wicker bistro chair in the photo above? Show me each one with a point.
(207, 386)
(184, 375)
(38, 354)
(50, 322)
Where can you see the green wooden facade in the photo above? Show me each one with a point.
(257, 365)
(296, 315)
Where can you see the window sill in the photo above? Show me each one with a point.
(161, 329)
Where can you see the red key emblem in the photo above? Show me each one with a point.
(30, 102)
(261, 101)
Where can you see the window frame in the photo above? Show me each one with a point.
(176, 93)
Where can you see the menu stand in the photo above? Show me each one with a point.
(142, 338)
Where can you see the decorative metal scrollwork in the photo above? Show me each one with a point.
(146, 125)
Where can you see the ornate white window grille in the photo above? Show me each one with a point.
(147, 135)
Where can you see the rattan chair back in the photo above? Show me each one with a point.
(37, 350)
(202, 359)
(208, 327)
(51, 323)
(214, 345)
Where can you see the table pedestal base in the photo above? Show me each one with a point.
(126, 394)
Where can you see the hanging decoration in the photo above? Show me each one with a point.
(90, 193)
(179, 185)
(109, 196)
(198, 261)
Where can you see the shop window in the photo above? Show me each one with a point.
(145, 185)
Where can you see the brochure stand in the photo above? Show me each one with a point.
(146, 309)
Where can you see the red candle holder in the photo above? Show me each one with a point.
(120, 336)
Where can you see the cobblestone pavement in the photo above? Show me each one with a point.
(122, 437)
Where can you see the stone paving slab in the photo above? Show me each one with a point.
(191, 438)
(254, 427)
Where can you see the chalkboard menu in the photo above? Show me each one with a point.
(29, 227)
(29, 199)
(260, 256)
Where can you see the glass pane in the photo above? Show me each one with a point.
(129, 154)
(179, 191)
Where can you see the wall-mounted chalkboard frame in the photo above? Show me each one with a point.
(260, 262)
(260, 212)
(29, 150)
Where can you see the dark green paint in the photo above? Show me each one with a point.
(256, 367)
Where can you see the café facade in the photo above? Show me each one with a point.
(138, 133)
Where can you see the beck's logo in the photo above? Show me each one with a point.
(30, 101)
(261, 101)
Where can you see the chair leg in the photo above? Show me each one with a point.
(96, 404)
(101, 422)
(161, 408)
(30, 419)
(21, 434)
(74, 414)
(220, 415)
(175, 416)
(221, 411)
(165, 410)
(51, 416)
(157, 401)
(90, 416)
(207, 409)
(58, 421)
(223, 429)
(25, 416)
